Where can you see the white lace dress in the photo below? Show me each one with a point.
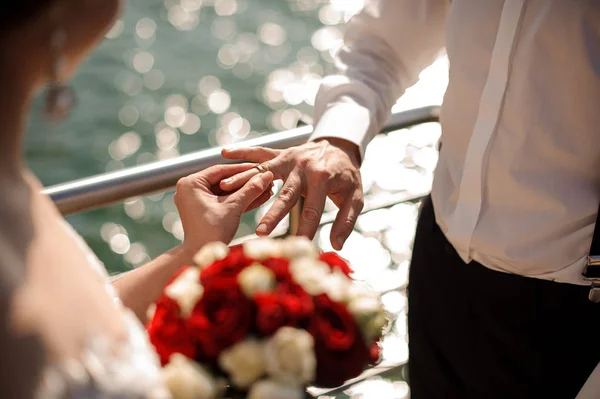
(129, 370)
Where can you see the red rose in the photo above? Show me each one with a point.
(221, 318)
(168, 333)
(229, 267)
(333, 324)
(280, 267)
(339, 348)
(298, 304)
(289, 305)
(335, 261)
(336, 367)
(374, 353)
(270, 315)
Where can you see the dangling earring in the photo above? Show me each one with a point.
(60, 98)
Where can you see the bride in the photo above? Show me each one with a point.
(65, 330)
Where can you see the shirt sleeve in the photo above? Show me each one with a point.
(386, 46)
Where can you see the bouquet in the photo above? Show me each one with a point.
(264, 320)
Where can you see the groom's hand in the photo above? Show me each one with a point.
(316, 170)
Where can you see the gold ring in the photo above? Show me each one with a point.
(261, 168)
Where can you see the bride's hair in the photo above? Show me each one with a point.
(22, 11)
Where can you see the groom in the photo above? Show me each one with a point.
(498, 306)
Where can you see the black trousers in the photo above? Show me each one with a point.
(478, 333)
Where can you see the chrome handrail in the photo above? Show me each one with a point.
(114, 187)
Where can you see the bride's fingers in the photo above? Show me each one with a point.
(215, 174)
(233, 183)
(253, 154)
(264, 197)
(251, 191)
(278, 166)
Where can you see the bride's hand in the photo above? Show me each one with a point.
(210, 214)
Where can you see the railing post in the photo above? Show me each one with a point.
(295, 215)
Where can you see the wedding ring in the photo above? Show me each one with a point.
(261, 168)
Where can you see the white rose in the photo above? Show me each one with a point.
(337, 286)
(262, 248)
(256, 278)
(369, 315)
(186, 379)
(186, 290)
(245, 362)
(364, 306)
(290, 356)
(375, 326)
(268, 389)
(294, 247)
(210, 253)
(310, 274)
(360, 289)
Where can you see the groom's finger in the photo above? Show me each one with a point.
(313, 208)
(288, 196)
(253, 154)
(346, 219)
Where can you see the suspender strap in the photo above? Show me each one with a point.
(592, 271)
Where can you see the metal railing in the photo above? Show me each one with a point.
(111, 188)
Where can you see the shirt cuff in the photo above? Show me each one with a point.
(348, 121)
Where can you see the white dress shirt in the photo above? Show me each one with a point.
(517, 185)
